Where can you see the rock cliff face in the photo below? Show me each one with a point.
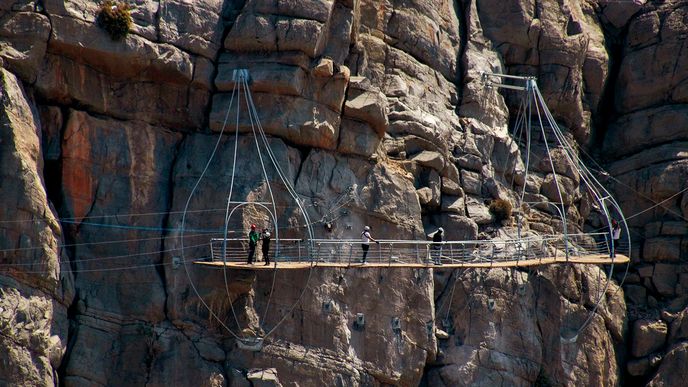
(382, 101)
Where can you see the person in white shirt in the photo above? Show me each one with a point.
(365, 242)
(616, 236)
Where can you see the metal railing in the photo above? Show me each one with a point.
(420, 252)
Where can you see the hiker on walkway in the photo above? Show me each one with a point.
(365, 242)
(616, 236)
(265, 247)
(437, 239)
(252, 243)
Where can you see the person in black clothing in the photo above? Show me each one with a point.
(437, 245)
(252, 242)
(265, 247)
(365, 243)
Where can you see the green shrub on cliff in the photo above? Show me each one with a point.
(500, 209)
(115, 18)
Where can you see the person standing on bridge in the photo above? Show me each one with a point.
(265, 246)
(365, 242)
(252, 242)
(616, 236)
(437, 240)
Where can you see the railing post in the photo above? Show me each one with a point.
(379, 252)
(351, 252)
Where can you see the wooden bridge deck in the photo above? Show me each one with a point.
(594, 259)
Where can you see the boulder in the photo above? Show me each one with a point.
(471, 182)
(636, 294)
(430, 159)
(23, 42)
(357, 138)
(648, 337)
(672, 371)
(559, 190)
(453, 204)
(662, 249)
(263, 377)
(196, 28)
(664, 278)
(368, 106)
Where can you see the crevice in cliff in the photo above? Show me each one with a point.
(461, 68)
(165, 221)
(230, 11)
(606, 111)
(72, 313)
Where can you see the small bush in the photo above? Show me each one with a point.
(115, 18)
(500, 209)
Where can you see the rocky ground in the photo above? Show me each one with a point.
(102, 142)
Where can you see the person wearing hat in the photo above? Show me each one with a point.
(265, 246)
(252, 243)
(437, 239)
(365, 242)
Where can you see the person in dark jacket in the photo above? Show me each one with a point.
(252, 243)
(437, 240)
(265, 247)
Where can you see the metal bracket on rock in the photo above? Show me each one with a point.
(254, 344)
(240, 74)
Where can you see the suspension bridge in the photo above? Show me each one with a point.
(306, 252)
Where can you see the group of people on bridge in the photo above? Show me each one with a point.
(366, 238)
(253, 238)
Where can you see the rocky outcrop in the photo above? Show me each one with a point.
(507, 327)
(34, 290)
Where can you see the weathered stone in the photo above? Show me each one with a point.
(664, 249)
(357, 138)
(430, 159)
(296, 119)
(133, 160)
(368, 106)
(636, 294)
(264, 378)
(453, 204)
(196, 28)
(471, 162)
(664, 278)
(679, 327)
(323, 68)
(646, 271)
(648, 336)
(451, 187)
(477, 211)
(65, 81)
(638, 367)
(671, 371)
(23, 42)
(31, 244)
(425, 196)
(471, 182)
(559, 190)
(265, 77)
(457, 227)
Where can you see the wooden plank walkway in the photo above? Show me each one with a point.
(595, 259)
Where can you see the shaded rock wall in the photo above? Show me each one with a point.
(376, 101)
